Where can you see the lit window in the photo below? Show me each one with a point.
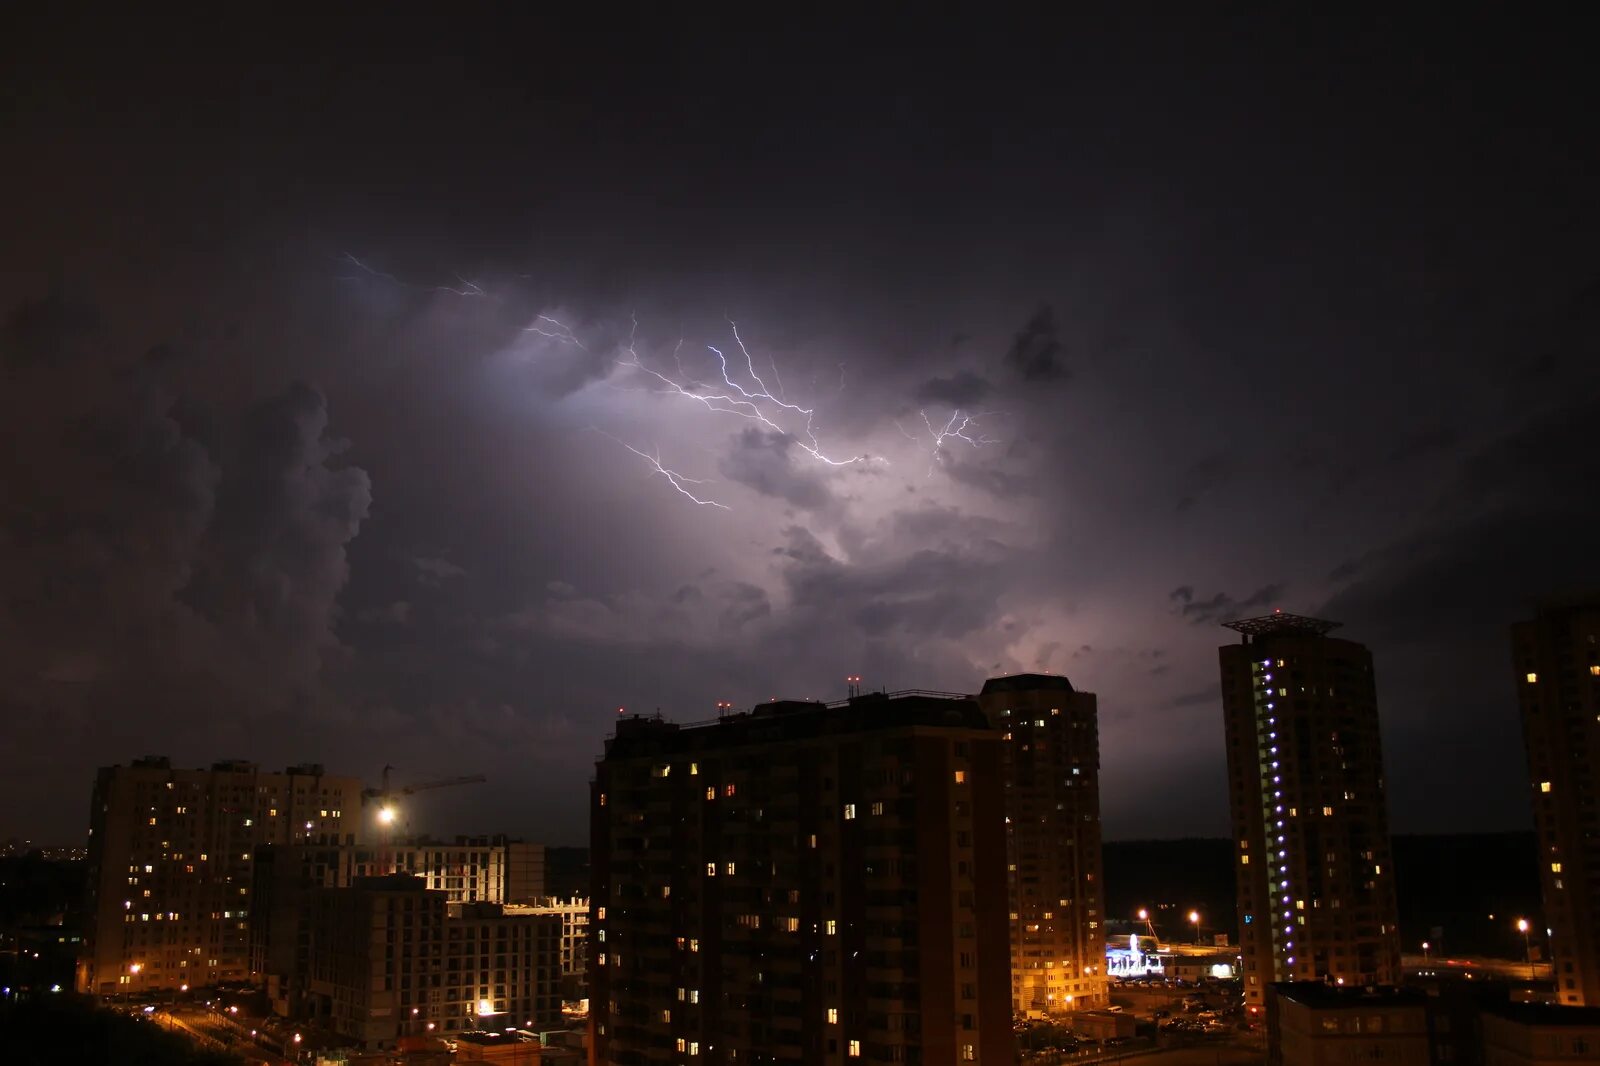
(729, 790)
(969, 1053)
(1555, 867)
(682, 995)
(694, 995)
(711, 869)
(1327, 812)
(849, 811)
(694, 945)
(877, 807)
(666, 891)
(1544, 786)
(1594, 669)
(832, 927)
(855, 1049)
(600, 914)
(1244, 860)
(833, 1015)
(666, 1016)
(694, 769)
(731, 868)
(813, 840)
(682, 1043)
(694, 1047)
(961, 777)
(711, 793)
(1533, 679)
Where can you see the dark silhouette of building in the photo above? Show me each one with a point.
(1052, 766)
(1557, 663)
(804, 883)
(1305, 768)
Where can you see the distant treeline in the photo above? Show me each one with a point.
(1462, 893)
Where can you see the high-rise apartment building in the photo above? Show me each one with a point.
(1052, 781)
(170, 854)
(390, 958)
(1557, 661)
(804, 883)
(1305, 769)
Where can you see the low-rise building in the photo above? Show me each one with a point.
(1311, 1023)
(387, 958)
(1540, 1034)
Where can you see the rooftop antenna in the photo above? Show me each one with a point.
(854, 683)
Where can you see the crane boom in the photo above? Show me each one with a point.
(468, 779)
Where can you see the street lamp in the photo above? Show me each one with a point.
(1527, 946)
(1194, 920)
(1425, 947)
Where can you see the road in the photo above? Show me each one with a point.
(215, 1037)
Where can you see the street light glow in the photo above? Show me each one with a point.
(1144, 915)
(386, 815)
(1522, 925)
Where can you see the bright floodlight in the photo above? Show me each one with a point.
(386, 815)
(1522, 925)
(1194, 916)
(1144, 915)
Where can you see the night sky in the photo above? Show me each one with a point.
(1228, 314)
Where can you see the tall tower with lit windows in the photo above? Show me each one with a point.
(170, 853)
(1557, 661)
(1316, 894)
(1052, 762)
(802, 883)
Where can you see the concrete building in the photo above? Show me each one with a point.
(574, 915)
(1311, 1023)
(1052, 779)
(389, 959)
(170, 856)
(486, 869)
(1556, 659)
(1316, 897)
(804, 883)
(1540, 1034)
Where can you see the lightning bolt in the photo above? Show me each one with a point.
(468, 288)
(756, 403)
(545, 326)
(955, 428)
(675, 479)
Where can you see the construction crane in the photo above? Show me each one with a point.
(384, 793)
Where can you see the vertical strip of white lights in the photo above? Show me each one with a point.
(1272, 816)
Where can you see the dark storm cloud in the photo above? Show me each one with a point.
(137, 546)
(764, 461)
(1221, 607)
(940, 590)
(1514, 526)
(963, 389)
(989, 477)
(1211, 695)
(1037, 353)
(1203, 476)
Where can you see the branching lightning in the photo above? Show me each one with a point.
(675, 479)
(468, 288)
(757, 404)
(956, 428)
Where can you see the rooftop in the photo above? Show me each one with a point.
(1281, 622)
(1027, 683)
(796, 720)
(1546, 1014)
(1323, 996)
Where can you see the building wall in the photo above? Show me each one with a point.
(1315, 878)
(1556, 661)
(467, 870)
(1308, 1035)
(170, 854)
(388, 958)
(1052, 770)
(802, 884)
(1514, 1042)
